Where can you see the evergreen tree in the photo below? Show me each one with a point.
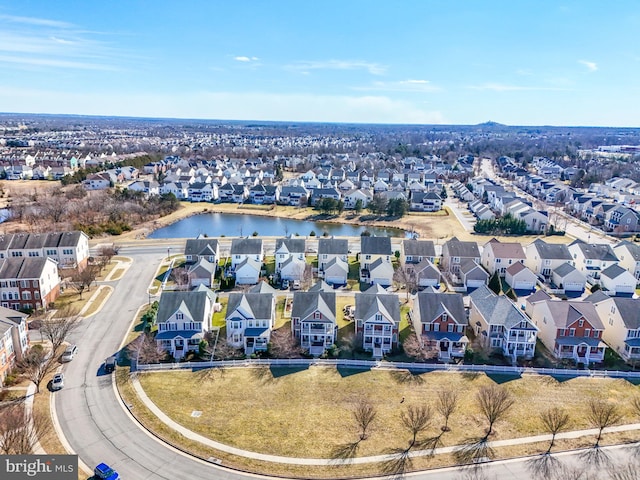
(494, 283)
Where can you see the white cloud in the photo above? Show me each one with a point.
(501, 87)
(417, 86)
(591, 66)
(40, 22)
(223, 105)
(244, 59)
(54, 62)
(372, 68)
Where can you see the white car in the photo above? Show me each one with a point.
(57, 382)
(69, 353)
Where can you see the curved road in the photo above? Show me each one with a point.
(98, 428)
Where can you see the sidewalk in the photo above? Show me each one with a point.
(359, 460)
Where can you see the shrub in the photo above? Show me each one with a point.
(312, 233)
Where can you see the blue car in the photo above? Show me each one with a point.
(105, 472)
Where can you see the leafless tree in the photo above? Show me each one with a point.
(145, 349)
(105, 255)
(494, 403)
(19, 433)
(180, 277)
(223, 350)
(446, 405)
(406, 275)
(602, 414)
(554, 420)
(364, 413)
(417, 349)
(416, 419)
(81, 280)
(284, 344)
(58, 328)
(36, 364)
(629, 471)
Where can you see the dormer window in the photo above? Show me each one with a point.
(179, 316)
(581, 323)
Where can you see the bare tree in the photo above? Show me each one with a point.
(417, 349)
(416, 420)
(364, 413)
(284, 344)
(81, 280)
(36, 364)
(180, 277)
(406, 275)
(446, 406)
(105, 255)
(57, 329)
(602, 414)
(630, 471)
(494, 402)
(224, 350)
(554, 420)
(19, 433)
(145, 349)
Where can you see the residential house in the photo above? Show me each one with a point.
(202, 192)
(570, 330)
(377, 319)
(353, 196)
(567, 277)
(290, 251)
(148, 187)
(335, 272)
(591, 259)
(543, 258)
(497, 256)
(375, 260)
(424, 274)
(202, 272)
(415, 251)
(471, 275)
(183, 319)
(425, 202)
(629, 255)
(440, 321)
(14, 340)
(202, 248)
(28, 283)
(520, 278)
(454, 252)
(250, 319)
(68, 249)
(617, 281)
(247, 255)
(313, 320)
(621, 319)
(621, 219)
(499, 324)
(97, 181)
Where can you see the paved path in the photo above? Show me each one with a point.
(191, 435)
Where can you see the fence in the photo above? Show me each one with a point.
(368, 364)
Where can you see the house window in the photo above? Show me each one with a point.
(179, 316)
(445, 317)
(317, 315)
(613, 309)
(572, 332)
(496, 342)
(581, 323)
(587, 332)
(450, 327)
(436, 327)
(378, 317)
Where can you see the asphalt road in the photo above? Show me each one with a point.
(99, 429)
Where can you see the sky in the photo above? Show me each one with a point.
(521, 62)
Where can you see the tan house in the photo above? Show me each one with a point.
(497, 256)
(621, 319)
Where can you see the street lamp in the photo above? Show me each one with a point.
(168, 252)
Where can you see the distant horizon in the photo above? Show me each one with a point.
(373, 62)
(488, 123)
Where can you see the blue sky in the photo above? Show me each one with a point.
(423, 61)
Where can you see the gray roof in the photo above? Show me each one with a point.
(456, 248)
(253, 305)
(597, 297)
(552, 251)
(497, 310)
(564, 313)
(262, 287)
(432, 305)
(305, 303)
(629, 309)
(634, 249)
(246, 246)
(333, 246)
(205, 265)
(564, 269)
(600, 251)
(467, 265)
(375, 245)
(613, 271)
(18, 241)
(375, 289)
(195, 302)
(201, 246)
(321, 286)
(419, 248)
(294, 245)
(387, 304)
(22, 267)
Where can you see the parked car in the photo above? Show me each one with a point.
(57, 382)
(110, 364)
(285, 284)
(105, 472)
(296, 285)
(69, 353)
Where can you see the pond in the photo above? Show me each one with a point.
(238, 225)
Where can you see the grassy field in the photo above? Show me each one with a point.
(307, 413)
(103, 293)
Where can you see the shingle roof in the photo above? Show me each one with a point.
(633, 248)
(552, 251)
(419, 248)
(601, 252)
(294, 245)
(193, 301)
(23, 267)
(201, 246)
(497, 310)
(251, 305)
(369, 305)
(321, 286)
(613, 271)
(564, 269)
(333, 246)
(629, 310)
(505, 250)
(262, 287)
(456, 248)
(432, 305)
(375, 245)
(246, 246)
(564, 313)
(305, 303)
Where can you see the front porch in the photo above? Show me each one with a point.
(580, 350)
